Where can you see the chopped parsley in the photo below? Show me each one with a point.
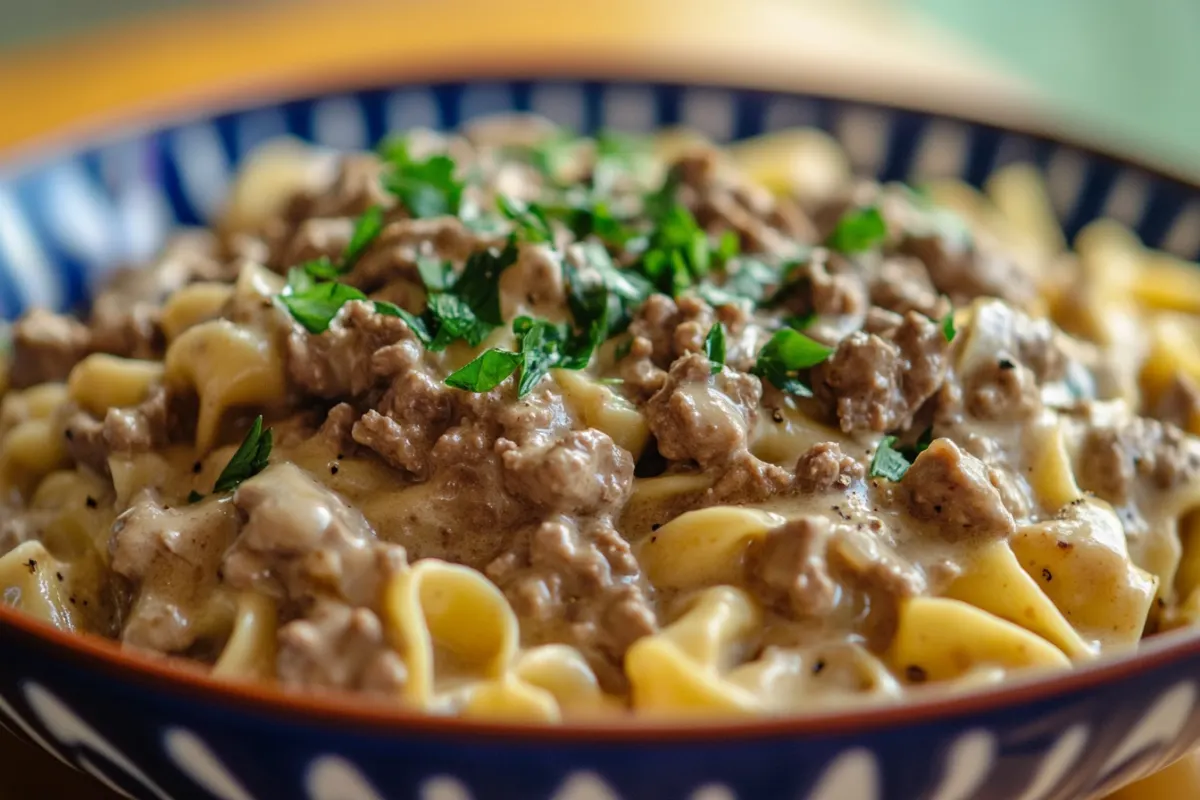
(541, 349)
(800, 321)
(892, 462)
(247, 461)
(782, 358)
(948, 329)
(426, 188)
(529, 220)
(888, 462)
(745, 279)
(714, 346)
(314, 304)
(486, 371)
(366, 230)
(552, 155)
(858, 230)
(626, 289)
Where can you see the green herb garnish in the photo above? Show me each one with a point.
(529, 220)
(313, 304)
(247, 461)
(888, 462)
(427, 188)
(799, 322)
(788, 352)
(366, 230)
(948, 329)
(194, 497)
(858, 230)
(714, 346)
(486, 371)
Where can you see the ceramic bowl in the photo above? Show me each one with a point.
(151, 729)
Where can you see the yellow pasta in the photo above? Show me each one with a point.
(28, 582)
(705, 547)
(604, 410)
(930, 641)
(449, 622)
(101, 382)
(805, 162)
(249, 654)
(192, 305)
(227, 365)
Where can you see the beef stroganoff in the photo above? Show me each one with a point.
(524, 425)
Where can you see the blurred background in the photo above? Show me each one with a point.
(1119, 74)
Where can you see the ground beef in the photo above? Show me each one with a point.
(700, 416)
(336, 646)
(172, 557)
(722, 201)
(1113, 459)
(339, 362)
(787, 570)
(1179, 405)
(1024, 354)
(300, 541)
(315, 239)
(745, 479)
(824, 467)
(583, 472)
(877, 383)
(814, 289)
(578, 583)
(139, 429)
(902, 284)
(417, 409)
(392, 258)
(952, 488)
(964, 269)
(355, 189)
(640, 376)
(45, 346)
(673, 328)
(862, 561)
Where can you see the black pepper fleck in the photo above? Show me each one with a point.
(1006, 364)
(58, 575)
(656, 526)
(1046, 575)
(31, 565)
(196, 468)
(937, 509)
(333, 469)
(72, 599)
(1064, 545)
(777, 415)
(818, 666)
(653, 539)
(70, 434)
(915, 674)
(340, 456)
(91, 502)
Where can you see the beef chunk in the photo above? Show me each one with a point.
(1114, 459)
(701, 416)
(964, 269)
(301, 541)
(340, 362)
(824, 467)
(577, 583)
(138, 429)
(336, 646)
(583, 472)
(878, 383)
(171, 556)
(787, 569)
(45, 348)
(953, 489)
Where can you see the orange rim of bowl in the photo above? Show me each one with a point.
(596, 50)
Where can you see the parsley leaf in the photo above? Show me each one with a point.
(529, 220)
(920, 446)
(314, 305)
(416, 324)
(539, 347)
(437, 275)
(552, 155)
(194, 497)
(801, 321)
(626, 289)
(479, 284)
(888, 462)
(788, 352)
(455, 320)
(249, 459)
(366, 230)
(321, 269)
(948, 329)
(858, 230)
(486, 371)
(714, 346)
(426, 188)
(678, 253)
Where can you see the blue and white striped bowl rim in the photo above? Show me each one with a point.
(72, 217)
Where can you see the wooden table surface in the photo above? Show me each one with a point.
(192, 59)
